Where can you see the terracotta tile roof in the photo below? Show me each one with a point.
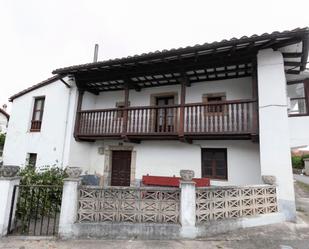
(221, 45)
(188, 49)
(36, 86)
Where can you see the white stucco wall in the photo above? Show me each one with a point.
(169, 157)
(49, 142)
(234, 89)
(55, 144)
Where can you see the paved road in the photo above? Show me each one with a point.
(302, 178)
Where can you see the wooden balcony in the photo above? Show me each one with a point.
(36, 125)
(216, 120)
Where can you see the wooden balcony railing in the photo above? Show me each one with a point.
(35, 125)
(228, 117)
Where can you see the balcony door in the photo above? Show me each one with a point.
(164, 115)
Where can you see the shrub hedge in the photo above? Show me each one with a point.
(298, 161)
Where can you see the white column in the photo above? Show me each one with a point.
(6, 194)
(275, 155)
(69, 203)
(187, 204)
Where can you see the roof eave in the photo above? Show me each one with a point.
(36, 86)
(149, 56)
(5, 113)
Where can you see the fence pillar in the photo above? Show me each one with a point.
(187, 204)
(69, 203)
(8, 180)
(306, 161)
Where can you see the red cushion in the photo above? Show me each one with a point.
(165, 181)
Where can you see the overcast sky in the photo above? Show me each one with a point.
(38, 36)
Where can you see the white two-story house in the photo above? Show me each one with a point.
(229, 110)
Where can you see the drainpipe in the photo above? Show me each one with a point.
(66, 126)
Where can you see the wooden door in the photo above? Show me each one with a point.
(121, 168)
(165, 116)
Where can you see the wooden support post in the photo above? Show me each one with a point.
(181, 131)
(255, 109)
(126, 105)
(78, 110)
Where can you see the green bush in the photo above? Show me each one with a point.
(45, 176)
(305, 156)
(297, 162)
(38, 202)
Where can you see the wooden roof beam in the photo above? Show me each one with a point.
(100, 77)
(132, 84)
(288, 42)
(268, 44)
(291, 71)
(292, 63)
(292, 55)
(184, 78)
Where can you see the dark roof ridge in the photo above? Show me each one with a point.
(4, 113)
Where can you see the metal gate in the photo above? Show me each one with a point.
(35, 210)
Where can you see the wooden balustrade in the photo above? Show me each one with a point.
(35, 125)
(228, 117)
(221, 117)
(98, 122)
(152, 120)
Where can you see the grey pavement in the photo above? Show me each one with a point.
(286, 235)
(302, 178)
(280, 236)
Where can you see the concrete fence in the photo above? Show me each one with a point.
(158, 213)
(152, 212)
(127, 204)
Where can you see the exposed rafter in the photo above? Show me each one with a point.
(208, 62)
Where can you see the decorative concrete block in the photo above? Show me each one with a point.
(73, 172)
(186, 175)
(8, 171)
(271, 180)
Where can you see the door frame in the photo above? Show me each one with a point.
(153, 102)
(108, 154)
(164, 117)
(126, 159)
